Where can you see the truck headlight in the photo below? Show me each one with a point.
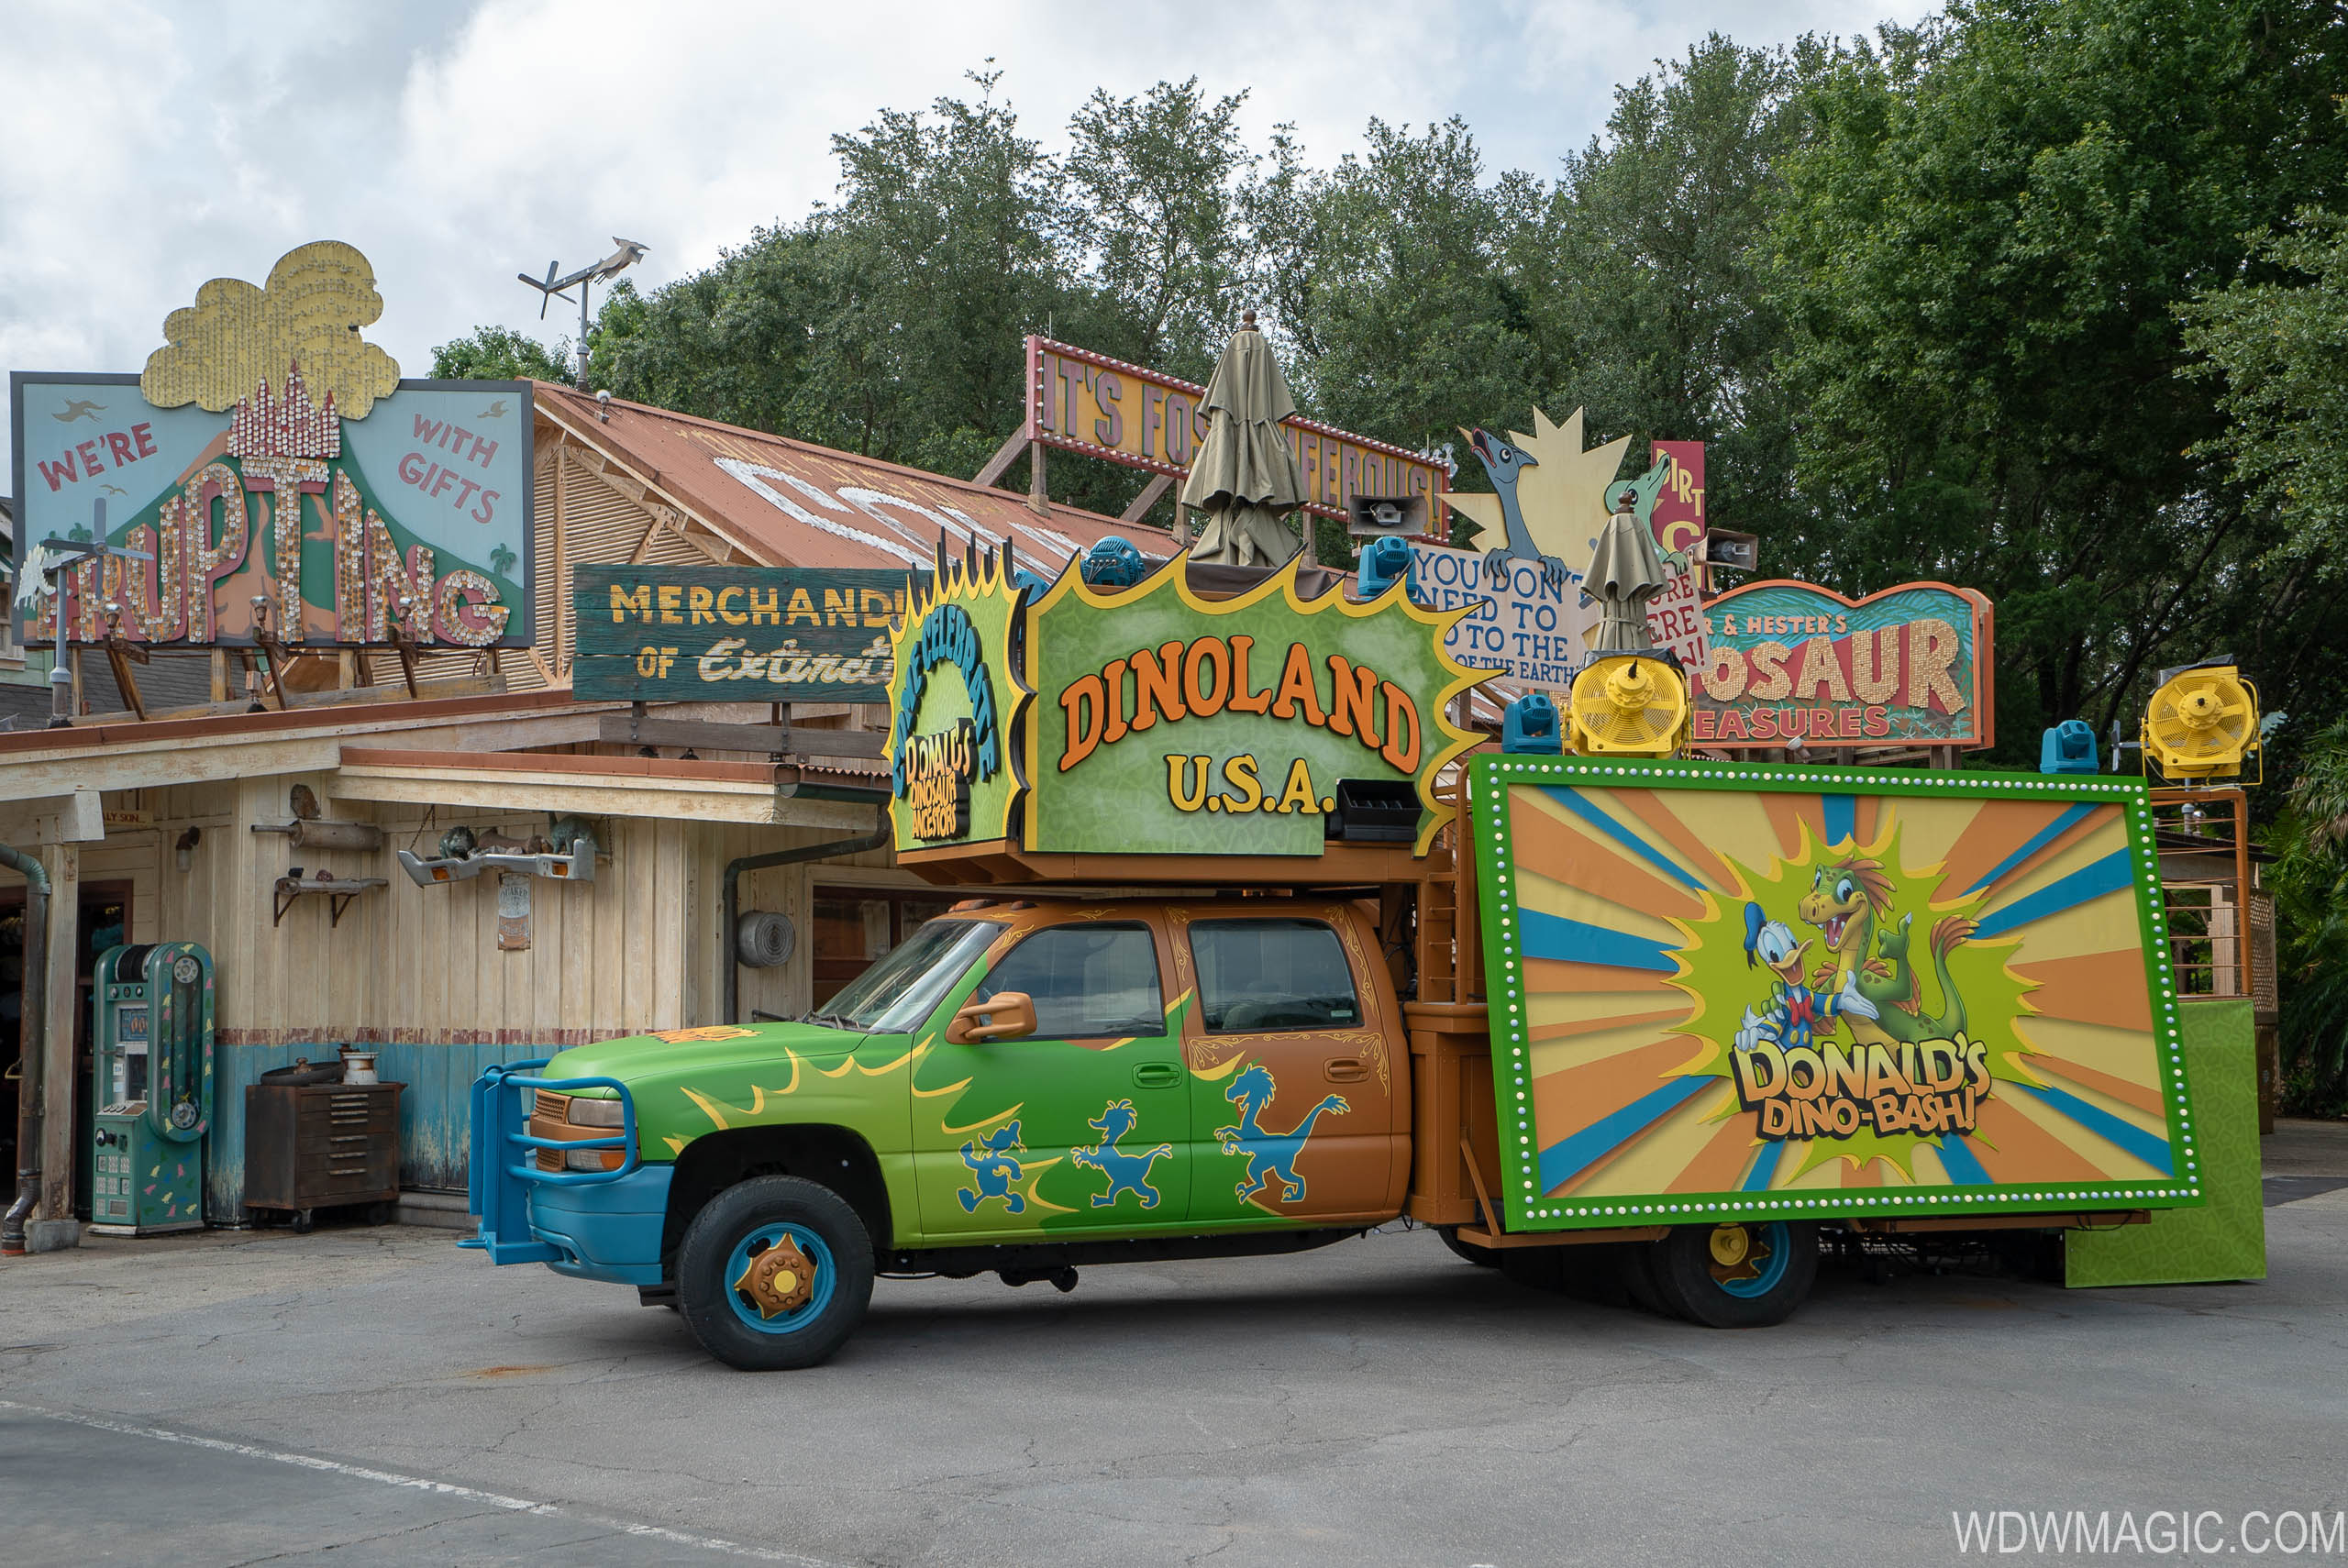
(587, 1112)
(591, 1159)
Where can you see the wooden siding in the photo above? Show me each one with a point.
(416, 972)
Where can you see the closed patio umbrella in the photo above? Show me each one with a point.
(1625, 571)
(1246, 476)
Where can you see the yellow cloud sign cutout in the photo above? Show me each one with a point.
(237, 336)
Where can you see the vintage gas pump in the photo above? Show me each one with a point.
(153, 1089)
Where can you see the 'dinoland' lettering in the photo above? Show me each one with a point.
(1832, 1091)
(1208, 676)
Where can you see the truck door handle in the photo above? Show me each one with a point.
(1344, 1070)
(1157, 1074)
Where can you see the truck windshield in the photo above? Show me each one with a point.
(898, 991)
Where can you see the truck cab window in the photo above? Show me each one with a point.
(897, 993)
(1087, 981)
(1261, 975)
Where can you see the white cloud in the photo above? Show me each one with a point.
(154, 145)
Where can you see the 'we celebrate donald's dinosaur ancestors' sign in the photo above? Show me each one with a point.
(1734, 991)
(270, 470)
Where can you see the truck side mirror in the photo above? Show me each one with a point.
(1013, 1014)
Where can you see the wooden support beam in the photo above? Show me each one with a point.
(1150, 496)
(122, 654)
(59, 1083)
(626, 729)
(1039, 498)
(1004, 455)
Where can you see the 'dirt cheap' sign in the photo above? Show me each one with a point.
(1791, 662)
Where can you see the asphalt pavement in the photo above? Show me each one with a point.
(377, 1397)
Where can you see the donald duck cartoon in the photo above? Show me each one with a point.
(1794, 1011)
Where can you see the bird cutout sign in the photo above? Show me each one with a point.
(1502, 464)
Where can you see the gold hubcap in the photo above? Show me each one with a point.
(1730, 1243)
(779, 1279)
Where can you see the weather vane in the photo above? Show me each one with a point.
(628, 254)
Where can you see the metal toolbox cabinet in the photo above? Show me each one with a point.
(312, 1146)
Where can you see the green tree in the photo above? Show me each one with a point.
(2310, 881)
(1985, 231)
(1389, 280)
(1649, 277)
(1390, 289)
(502, 354)
(1152, 188)
(2275, 345)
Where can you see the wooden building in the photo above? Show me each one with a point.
(171, 828)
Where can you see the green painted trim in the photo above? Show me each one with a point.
(1489, 776)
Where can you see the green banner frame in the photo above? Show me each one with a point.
(1618, 1028)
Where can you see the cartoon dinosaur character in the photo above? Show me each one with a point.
(1270, 1156)
(993, 1171)
(1638, 496)
(1502, 462)
(1794, 1009)
(1847, 903)
(1127, 1172)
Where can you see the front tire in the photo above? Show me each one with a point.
(1732, 1276)
(774, 1274)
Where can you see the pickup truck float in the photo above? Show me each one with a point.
(1672, 1018)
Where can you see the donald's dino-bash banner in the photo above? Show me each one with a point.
(1778, 993)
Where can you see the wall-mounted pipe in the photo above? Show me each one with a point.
(32, 1034)
(876, 839)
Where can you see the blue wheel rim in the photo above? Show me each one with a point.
(1776, 1243)
(749, 1247)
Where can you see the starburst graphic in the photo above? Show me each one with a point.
(1562, 494)
(1938, 991)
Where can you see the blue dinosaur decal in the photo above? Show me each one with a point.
(993, 1171)
(1270, 1156)
(1127, 1172)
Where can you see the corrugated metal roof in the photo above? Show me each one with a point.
(790, 503)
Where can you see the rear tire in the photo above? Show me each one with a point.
(1732, 1276)
(1482, 1257)
(720, 1253)
(1535, 1268)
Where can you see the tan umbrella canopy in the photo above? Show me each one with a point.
(1245, 477)
(1625, 571)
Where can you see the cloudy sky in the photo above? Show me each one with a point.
(455, 142)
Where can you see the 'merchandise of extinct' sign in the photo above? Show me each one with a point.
(733, 634)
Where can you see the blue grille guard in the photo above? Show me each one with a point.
(498, 1178)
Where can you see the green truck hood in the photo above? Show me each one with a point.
(694, 1051)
